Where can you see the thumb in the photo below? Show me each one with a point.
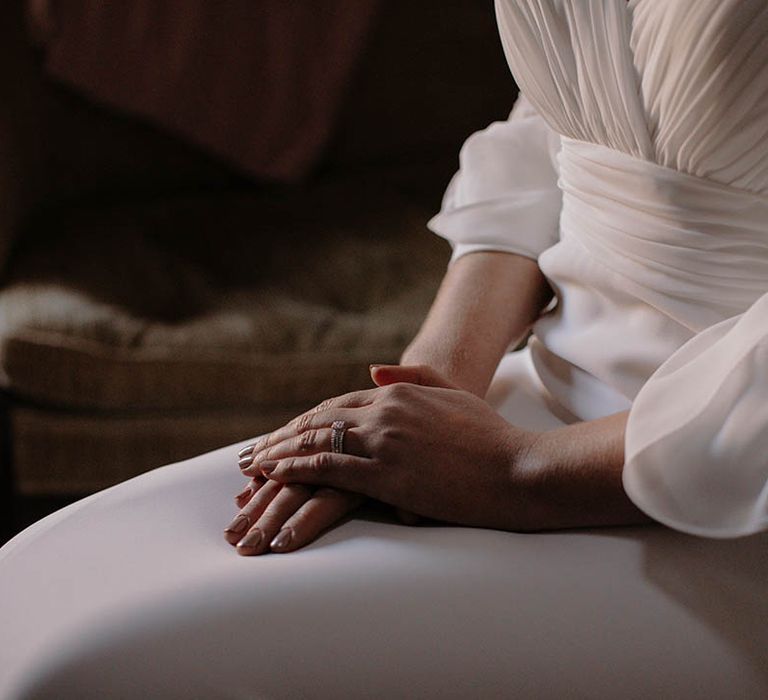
(410, 374)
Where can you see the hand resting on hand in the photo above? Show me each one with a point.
(417, 442)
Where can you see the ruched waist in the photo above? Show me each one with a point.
(694, 248)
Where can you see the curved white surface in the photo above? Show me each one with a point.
(133, 593)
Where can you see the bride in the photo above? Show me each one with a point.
(621, 215)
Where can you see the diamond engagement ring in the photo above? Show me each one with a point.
(338, 427)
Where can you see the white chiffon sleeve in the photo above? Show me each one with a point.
(505, 195)
(697, 436)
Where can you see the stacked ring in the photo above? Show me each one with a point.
(338, 427)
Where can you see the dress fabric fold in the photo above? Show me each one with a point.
(505, 195)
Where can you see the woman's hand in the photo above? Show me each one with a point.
(282, 518)
(418, 443)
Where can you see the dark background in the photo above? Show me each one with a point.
(108, 207)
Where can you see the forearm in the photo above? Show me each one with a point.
(487, 301)
(573, 475)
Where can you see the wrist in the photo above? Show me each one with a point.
(439, 361)
(571, 476)
(523, 459)
(450, 365)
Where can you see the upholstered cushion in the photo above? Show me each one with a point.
(60, 453)
(136, 334)
(234, 301)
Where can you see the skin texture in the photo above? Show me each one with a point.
(474, 467)
(468, 481)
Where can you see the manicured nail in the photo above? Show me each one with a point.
(245, 462)
(246, 450)
(282, 539)
(375, 366)
(251, 540)
(238, 525)
(268, 467)
(247, 491)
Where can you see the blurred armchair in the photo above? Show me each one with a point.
(159, 299)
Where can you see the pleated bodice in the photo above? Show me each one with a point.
(662, 108)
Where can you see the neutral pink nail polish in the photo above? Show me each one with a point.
(251, 540)
(246, 450)
(268, 467)
(282, 540)
(247, 491)
(238, 525)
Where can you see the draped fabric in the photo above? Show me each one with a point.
(661, 262)
(507, 179)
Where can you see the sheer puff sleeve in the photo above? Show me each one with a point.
(505, 195)
(697, 436)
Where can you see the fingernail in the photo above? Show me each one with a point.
(245, 462)
(246, 450)
(282, 539)
(252, 539)
(268, 467)
(247, 491)
(375, 366)
(238, 525)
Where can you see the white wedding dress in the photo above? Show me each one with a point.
(635, 170)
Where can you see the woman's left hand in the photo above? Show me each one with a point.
(418, 443)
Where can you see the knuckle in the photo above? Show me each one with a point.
(377, 441)
(307, 440)
(388, 441)
(303, 422)
(356, 398)
(262, 444)
(398, 390)
(392, 434)
(320, 462)
(323, 405)
(388, 414)
(287, 466)
(389, 446)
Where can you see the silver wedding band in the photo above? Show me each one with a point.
(338, 428)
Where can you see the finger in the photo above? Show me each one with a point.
(281, 508)
(246, 450)
(306, 422)
(341, 470)
(425, 375)
(326, 507)
(251, 512)
(244, 455)
(250, 488)
(310, 442)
